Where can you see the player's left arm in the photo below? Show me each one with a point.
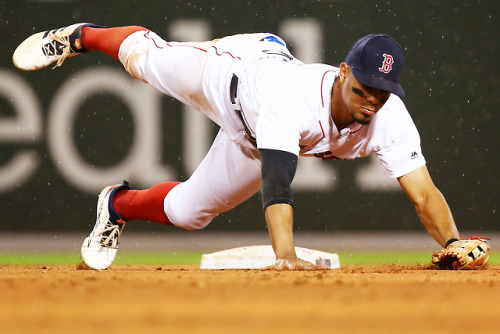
(431, 205)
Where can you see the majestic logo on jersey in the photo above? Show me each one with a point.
(414, 155)
(387, 63)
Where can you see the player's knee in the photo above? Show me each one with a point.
(132, 55)
(133, 67)
(189, 207)
(191, 220)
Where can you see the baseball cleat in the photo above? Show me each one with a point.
(100, 247)
(47, 47)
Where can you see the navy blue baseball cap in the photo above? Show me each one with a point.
(377, 60)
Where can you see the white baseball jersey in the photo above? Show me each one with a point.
(289, 110)
(284, 103)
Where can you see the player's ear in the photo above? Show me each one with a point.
(344, 68)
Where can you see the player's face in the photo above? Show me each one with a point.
(362, 101)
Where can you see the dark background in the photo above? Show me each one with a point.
(451, 82)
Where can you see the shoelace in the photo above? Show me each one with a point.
(113, 236)
(51, 48)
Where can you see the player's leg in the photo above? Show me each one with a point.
(116, 205)
(107, 40)
(227, 176)
(144, 204)
(173, 68)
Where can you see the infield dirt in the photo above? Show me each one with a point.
(185, 299)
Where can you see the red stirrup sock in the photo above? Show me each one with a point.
(144, 204)
(107, 40)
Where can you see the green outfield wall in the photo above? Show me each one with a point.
(68, 132)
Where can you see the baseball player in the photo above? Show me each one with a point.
(271, 109)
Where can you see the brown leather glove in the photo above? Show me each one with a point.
(463, 254)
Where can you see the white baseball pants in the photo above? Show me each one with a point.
(230, 172)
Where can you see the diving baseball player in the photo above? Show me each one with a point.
(271, 109)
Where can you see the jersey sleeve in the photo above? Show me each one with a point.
(403, 153)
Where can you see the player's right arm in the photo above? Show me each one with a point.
(278, 170)
(279, 218)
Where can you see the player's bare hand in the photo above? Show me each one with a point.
(293, 264)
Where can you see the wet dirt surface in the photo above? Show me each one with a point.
(185, 299)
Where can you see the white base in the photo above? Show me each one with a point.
(258, 257)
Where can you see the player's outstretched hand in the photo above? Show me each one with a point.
(293, 264)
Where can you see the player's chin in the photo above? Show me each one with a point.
(363, 119)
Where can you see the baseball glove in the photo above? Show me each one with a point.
(463, 254)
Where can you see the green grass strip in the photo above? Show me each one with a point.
(39, 258)
(159, 258)
(384, 257)
(402, 257)
(123, 258)
(194, 258)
